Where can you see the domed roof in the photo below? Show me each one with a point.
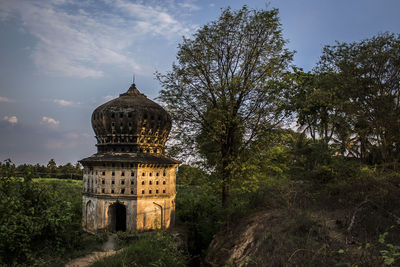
(131, 123)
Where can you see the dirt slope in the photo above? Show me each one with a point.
(284, 238)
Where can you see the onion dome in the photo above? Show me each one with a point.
(131, 123)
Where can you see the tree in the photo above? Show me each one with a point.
(8, 168)
(190, 175)
(51, 167)
(320, 106)
(227, 87)
(367, 77)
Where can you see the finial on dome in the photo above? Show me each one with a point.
(132, 91)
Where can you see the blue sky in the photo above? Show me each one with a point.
(60, 59)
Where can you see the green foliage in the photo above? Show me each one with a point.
(228, 92)
(190, 175)
(317, 101)
(153, 249)
(391, 253)
(125, 239)
(31, 217)
(41, 222)
(312, 220)
(271, 154)
(198, 208)
(352, 99)
(227, 87)
(8, 169)
(291, 173)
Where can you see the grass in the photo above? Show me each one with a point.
(58, 181)
(149, 249)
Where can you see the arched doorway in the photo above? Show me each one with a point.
(117, 215)
(89, 216)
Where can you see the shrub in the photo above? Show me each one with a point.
(32, 219)
(40, 222)
(198, 208)
(153, 249)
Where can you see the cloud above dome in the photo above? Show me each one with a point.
(79, 38)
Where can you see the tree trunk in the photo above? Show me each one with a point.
(227, 153)
(225, 175)
(225, 191)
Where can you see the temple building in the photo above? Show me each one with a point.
(129, 184)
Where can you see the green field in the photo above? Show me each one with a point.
(58, 181)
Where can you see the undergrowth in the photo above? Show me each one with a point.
(40, 223)
(150, 249)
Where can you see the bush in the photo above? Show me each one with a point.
(152, 249)
(198, 208)
(40, 222)
(33, 219)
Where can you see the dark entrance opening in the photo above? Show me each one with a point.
(117, 213)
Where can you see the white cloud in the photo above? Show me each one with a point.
(13, 119)
(189, 6)
(153, 20)
(6, 99)
(49, 121)
(66, 103)
(77, 38)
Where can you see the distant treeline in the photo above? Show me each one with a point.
(51, 170)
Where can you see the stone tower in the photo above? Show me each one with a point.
(129, 184)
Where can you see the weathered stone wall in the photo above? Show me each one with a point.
(99, 219)
(147, 192)
(155, 213)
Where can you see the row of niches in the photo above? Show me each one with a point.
(128, 123)
(89, 182)
(105, 182)
(117, 139)
(128, 127)
(129, 149)
(122, 172)
(160, 167)
(124, 191)
(142, 174)
(132, 115)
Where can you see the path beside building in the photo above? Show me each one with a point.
(109, 250)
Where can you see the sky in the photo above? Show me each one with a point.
(60, 59)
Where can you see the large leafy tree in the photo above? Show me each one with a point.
(315, 102)
(227, 87)
(352, 98)
(367, 81)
